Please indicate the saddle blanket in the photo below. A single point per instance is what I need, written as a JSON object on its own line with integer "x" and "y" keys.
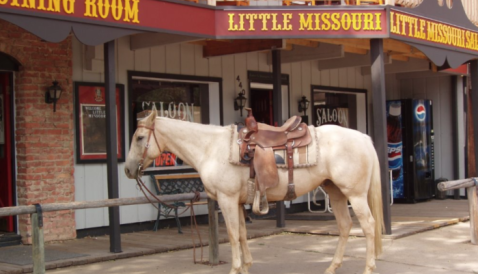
{"x": 303, "y": 157}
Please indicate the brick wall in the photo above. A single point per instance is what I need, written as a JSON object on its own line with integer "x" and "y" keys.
{"x": 44, "y": 139}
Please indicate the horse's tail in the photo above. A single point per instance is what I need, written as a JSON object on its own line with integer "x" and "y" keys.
{"x": 375, "y": 204}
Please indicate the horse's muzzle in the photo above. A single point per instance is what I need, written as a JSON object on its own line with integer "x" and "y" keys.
{"x": 128, "y": 173}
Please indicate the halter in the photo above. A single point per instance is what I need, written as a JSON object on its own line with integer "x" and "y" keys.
{"x": 140, "y": 166}
{"x": 151, "y": 130}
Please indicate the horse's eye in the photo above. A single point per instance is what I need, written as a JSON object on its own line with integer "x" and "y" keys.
{"x": 140, "y": 138}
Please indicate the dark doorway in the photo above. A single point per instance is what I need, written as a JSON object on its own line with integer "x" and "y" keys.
{"x": 7, "y": 224}
{"x": 261, "y": 105}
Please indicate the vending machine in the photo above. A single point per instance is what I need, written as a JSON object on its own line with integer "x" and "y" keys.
{"x": 411, "y": 149}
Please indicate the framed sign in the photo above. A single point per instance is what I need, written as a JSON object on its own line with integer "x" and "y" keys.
{"x": 90, "y": 117}
{"x": 344, "y": 107}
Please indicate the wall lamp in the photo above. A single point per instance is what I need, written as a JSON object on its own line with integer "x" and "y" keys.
{"x": 52, "y": 95}
{"x": 240, "y": 101}
{"x": 303, "y": 105}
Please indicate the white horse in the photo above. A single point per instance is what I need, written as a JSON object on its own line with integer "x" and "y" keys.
{"x": 348, "y": 169}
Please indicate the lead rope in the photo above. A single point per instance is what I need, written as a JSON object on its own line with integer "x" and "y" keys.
{"x": 194, "y": 222}
{"x": 195, "y": 199}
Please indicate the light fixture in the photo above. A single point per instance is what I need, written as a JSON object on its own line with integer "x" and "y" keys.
{"x": 52, "y": 95}
{"x": 303, "y": 105}
{"x": 240, "y": 101}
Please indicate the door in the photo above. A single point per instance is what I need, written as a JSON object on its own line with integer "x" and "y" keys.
{"x": 6, "y": 184}
{"x": 261, "y": 105}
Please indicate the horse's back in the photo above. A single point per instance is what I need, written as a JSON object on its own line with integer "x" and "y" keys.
{"x": 345, "y": 153}
{"x": 342, "y": 136}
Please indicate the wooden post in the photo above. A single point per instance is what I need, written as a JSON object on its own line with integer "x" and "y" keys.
{"x": 213, "y": 232}
{"x": 380, "y": 125}
{"x": 112, "y": 145}
{"x": 38, "y": 247}
{"x": 277, "y": 107}
{"x": 473, "y": 204}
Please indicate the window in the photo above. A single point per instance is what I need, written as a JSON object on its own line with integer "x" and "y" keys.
{"x": 175, "y": 97}
{"x": 339, "y": 106}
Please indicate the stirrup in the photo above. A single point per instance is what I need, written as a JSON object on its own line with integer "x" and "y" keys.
{"x": 251, "y": 189}
{"x": 260, "y": 202}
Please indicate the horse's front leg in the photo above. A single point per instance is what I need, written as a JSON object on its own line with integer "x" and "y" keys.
{"x": 230, "y": 210}
{"x": 246, "y": 254}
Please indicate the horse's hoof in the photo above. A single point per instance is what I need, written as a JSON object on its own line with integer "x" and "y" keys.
{"x": 328, "y": 271}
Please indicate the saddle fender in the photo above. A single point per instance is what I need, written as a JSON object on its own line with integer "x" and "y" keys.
{"x": 265, "y": 163}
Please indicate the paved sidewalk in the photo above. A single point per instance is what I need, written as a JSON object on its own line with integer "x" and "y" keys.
{"x": 407, "y": 220}
{"x": 444, "y": 250}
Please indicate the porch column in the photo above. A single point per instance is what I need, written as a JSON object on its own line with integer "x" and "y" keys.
{"x": 474, "y": 105}
{"x": 277, "y": 106}
{"x": 380, "y": 125}
{"x": 112, "y": 145}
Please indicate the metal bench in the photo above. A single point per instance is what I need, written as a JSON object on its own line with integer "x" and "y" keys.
{"x": 175, "y": 184}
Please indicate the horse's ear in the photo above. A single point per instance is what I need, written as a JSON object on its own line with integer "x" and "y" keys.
{"x": 152, "y": 116}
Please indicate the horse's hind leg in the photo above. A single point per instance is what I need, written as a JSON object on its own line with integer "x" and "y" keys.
{"x": 362, "y": 211}
{"x": 246, "y": 254}
{"x": 344, "y": 223}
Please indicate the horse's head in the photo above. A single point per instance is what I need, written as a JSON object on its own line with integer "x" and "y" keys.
{"x": 144, "y": 147}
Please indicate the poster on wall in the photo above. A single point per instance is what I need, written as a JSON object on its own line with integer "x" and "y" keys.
{"x": 90, "y": 117}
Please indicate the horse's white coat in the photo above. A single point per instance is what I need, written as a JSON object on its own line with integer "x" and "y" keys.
{"x": 348, "y": 169}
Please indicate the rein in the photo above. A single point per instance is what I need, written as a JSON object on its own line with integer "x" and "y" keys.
{"x": 142, "y": 186}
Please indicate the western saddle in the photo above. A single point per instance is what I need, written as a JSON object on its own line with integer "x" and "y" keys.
{"x": 257, "y": 144}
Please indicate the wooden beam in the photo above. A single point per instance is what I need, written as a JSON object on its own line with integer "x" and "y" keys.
{"x": 350, "y": 60}
{"x": 356, "y": 43}
{"x": 217, "y": 48}
{"x": 303, "y": 42}
{"x": 355, "y": 50}
{"x": 148, "y": 40}
{"x": 389, "y": 45}
{"x": 413, "y": 65}
{"x": 301, "y": 53}
{"x": 400, "y": 57}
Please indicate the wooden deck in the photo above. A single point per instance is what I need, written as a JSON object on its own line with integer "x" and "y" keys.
{"x": 407, "y": 219}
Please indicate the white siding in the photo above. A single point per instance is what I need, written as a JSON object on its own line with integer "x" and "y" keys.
{"x": 90, "y": 180}
{"x": 439, "y": 89}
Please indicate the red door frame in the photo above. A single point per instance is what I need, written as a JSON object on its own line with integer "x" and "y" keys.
{"x": 6, "y": 173}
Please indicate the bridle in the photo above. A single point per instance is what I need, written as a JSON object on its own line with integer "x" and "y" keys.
{"x": 140, "y": 182}
{"x": 151, "y": 132}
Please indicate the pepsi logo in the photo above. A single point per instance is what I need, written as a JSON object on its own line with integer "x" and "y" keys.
{"x": 420, "y": 112}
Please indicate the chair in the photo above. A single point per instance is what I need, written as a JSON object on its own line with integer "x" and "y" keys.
{"x": 175, "y": 184}
{"x": 164, "y": 210}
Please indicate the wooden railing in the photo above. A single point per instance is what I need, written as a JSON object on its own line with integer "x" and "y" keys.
{"x": 38, "y": 247}
{"x": 471, "y": 186}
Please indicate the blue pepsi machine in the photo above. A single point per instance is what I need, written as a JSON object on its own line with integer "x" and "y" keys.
{"x": 410, "y": 149}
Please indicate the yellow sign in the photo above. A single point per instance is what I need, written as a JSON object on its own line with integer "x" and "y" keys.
{"x": 298, "y": 21}
{"x": 419, "y": 28}
{"x": 112, "y": 10}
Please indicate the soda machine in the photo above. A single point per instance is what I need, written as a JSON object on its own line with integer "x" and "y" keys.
{"x": 410, "y": 149}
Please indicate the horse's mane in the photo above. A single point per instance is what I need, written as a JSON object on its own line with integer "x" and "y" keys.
{"x": 195, "y": 125}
